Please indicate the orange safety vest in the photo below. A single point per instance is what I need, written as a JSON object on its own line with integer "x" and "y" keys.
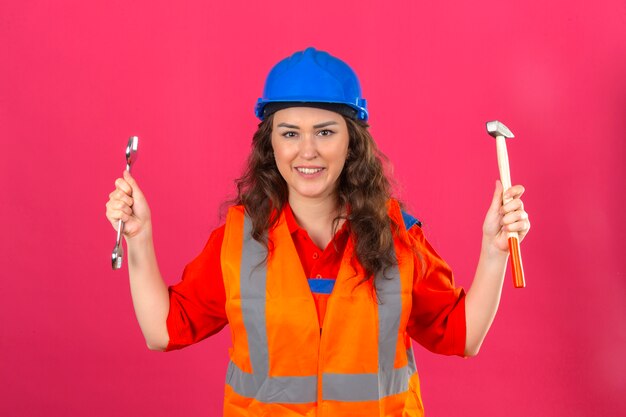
{"x": 361, "y": 364}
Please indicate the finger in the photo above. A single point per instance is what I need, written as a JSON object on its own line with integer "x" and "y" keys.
{"x": 120, "y": 205}
{"x": 521, "y": 226}
{"x": 116, "y": 206}
{"x": 123, "y": 186}
{"x": 128, "y": 200}
{"x": 512, "y": 206}
{"x": 119, "y": 195}
{"x": 515, "y": 191}
{"x": 115, "y": 215}
{"x": 514, "y": 217}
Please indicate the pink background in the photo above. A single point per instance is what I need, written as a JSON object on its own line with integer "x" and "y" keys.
{"x": 78, "y": 78}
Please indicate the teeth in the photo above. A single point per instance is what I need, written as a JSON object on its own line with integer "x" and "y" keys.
{"x": 309, "y": 170}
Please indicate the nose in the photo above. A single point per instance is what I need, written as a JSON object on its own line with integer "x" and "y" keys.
{"x": 308, "y": 147}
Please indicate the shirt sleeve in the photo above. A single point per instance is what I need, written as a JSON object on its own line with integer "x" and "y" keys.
{"x": 437, "y": 319}
{"x": 197, "y": 302}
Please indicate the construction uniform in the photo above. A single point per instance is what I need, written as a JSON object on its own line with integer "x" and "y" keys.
{"x": 308, "y": 340}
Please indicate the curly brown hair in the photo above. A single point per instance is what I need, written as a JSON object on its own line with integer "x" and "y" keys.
{"x": 363, "y": 189}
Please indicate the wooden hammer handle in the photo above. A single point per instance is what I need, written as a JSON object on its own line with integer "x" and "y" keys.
{"x": 505, "y": 177}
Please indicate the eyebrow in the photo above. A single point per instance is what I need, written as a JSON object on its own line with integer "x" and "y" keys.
{"x": 317, "y": 126}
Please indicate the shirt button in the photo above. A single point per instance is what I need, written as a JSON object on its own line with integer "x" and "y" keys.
{"x": 315, "y": 255}
{"x": 318, "y": 276}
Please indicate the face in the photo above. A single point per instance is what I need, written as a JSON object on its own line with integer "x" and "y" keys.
{"x": 310, "y": 147}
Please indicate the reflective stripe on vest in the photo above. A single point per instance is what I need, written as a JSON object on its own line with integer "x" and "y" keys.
{"x": 348, "y": 387}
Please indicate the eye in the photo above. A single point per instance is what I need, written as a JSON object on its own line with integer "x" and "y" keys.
{"x": 325, "y": 132}
{"x": 290, "y": 134}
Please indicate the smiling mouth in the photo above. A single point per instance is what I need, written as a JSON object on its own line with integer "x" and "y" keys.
{"x": 309, "y": 171}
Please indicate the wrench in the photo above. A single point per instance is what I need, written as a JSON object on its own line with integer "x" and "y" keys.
{"x": 118, "y": 251}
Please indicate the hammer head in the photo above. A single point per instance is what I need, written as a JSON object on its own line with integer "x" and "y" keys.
{"x": 495, "y": 128}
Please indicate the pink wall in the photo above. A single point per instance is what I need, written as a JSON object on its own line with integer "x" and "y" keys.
{"x": 77, "y": 78}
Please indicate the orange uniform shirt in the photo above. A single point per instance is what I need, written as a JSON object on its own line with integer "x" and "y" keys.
{"x": 437, "y": 319}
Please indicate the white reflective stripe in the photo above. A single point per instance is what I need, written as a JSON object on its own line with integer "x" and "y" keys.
{"x": 275, "y": 389}
{"x": 391, "y": 381}
{"x": 303, "y": 389}
{"x": 395, "y": 382}
{"x": 350, "y": 387}
{"x": 389, "y": 311}
{"x": 365, "y": 387}
{"x": 252, "y": 280}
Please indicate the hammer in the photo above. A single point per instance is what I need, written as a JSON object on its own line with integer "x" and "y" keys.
{"x": 501, "y": 132}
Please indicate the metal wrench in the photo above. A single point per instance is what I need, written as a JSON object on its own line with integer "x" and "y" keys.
{"x": 118, "y": 251}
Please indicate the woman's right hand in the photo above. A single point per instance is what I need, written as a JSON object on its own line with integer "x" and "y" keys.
{"x": 128, "y": 203}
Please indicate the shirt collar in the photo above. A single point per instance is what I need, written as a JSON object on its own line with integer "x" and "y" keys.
{"x": 293, "y": 225}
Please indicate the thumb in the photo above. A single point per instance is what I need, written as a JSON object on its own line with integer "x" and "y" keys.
{"x": 496, "y": 202}
{"x": 131, "y": 181}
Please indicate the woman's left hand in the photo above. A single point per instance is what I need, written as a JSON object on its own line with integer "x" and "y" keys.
{"x": 502, "y": 219}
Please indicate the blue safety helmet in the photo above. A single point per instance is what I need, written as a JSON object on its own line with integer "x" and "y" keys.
{"x": 316, "y": 78}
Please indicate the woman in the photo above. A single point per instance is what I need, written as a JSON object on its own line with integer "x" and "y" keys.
{"x": 321, "y": 276}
